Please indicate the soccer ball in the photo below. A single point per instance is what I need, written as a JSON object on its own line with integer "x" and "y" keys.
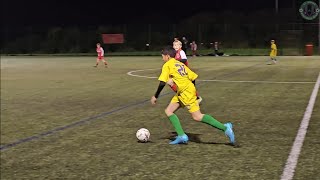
{"x": 143, "y": 135}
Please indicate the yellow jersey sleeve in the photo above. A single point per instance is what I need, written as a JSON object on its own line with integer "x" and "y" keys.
{"x": 165, "y": 72}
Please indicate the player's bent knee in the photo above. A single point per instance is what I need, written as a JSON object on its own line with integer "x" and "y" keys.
{"x": 168, "y": 112}
{"x": 197, "y": 116}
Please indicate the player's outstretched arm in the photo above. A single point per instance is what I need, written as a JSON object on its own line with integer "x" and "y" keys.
{"x": 156, "y": 95}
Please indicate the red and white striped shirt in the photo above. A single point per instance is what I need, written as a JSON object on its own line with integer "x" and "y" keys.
{"x": 180, "y": 54}
{"x": 100, "y": 52}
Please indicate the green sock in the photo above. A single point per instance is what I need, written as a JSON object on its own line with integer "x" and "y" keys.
{"x": 176, "y": 124}
{"x": 213, "y": 122}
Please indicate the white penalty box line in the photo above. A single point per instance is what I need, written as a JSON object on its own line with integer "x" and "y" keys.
{"x": 132, "y": 73}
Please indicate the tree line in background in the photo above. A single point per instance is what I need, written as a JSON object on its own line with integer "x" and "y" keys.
{"x": 232, "y": 29}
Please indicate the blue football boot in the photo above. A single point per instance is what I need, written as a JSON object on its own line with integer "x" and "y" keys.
{"x": 183, "y": 139}
{"x": 229, "y": 132}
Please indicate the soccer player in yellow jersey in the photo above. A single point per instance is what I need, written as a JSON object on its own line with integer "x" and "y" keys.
{"x": 177, "y": 72}
{"x": 273, "y": 52}
{"x": 182, "y": 57}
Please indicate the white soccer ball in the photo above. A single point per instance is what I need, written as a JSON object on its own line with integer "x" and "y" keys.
{"x": 143, "y": 135}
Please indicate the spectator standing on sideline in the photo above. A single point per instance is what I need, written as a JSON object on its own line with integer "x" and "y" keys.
{"x": 184, "y": 44}
{"x": 216, "y": 48}
{"x": 194, "y": 48}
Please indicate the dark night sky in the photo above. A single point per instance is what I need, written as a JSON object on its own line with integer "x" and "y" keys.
{"x": 94, "y": 12}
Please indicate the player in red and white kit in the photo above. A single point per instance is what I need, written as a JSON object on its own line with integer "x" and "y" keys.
{"x": 100, "y": 57}
{"x": 180, "y": 54}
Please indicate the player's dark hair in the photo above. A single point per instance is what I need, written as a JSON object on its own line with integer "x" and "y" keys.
{"x": 168, "y": 50}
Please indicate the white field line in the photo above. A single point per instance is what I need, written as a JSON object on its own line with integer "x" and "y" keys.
{"x": 132, "y": 73}
{"x": 292, "y": 160}
{"x": 274, "y": 82}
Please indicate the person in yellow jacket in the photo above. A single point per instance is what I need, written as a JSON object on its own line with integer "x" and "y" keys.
{"x": 273, "y": 52}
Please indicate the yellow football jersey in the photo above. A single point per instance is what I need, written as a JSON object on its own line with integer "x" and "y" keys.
{"x": 273, "y": 50}
{"x": 181, "y": 75}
